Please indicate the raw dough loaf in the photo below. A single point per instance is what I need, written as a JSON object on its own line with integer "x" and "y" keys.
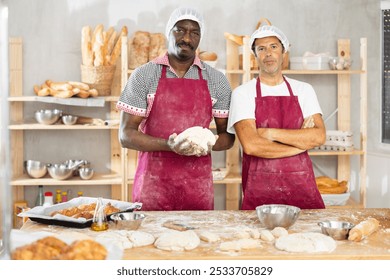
{"x": 310, "y": 242}
{"x": 240, "y": 244}
{"x": 279, "y": 232}
{"x": 208, "y": 236}
{"x": 177, "y": 241}
{"x": 197, "y": 135}
{"x": 266, "y": 235}
{"x": 127, "y": 239}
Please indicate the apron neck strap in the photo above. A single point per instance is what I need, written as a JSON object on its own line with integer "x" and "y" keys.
{"x": 164, "y": 72}
{"x": 258, "y": 87}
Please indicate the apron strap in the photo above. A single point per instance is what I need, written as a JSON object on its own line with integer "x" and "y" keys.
{"x": 258, "y": 87}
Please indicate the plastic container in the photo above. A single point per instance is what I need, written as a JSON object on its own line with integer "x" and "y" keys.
{"x": 48, "y": 199}
{"x": 309, "y": 63}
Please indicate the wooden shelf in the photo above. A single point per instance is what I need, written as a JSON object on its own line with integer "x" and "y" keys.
{"x": 37, "y": 126}
{"x": 335, "y": 153}
{"x": 97, "y": 179}
{"x": 34, "y": 98}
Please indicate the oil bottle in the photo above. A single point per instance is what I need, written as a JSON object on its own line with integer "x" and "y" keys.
{"x": 99, "y": 221}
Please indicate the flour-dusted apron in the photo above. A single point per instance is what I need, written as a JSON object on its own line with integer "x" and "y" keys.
{"x": 166, "y": 180}
{"x": 287, "y": 180}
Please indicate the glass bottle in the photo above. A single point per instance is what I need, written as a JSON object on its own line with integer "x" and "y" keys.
{"x": 58, "y": 196}
{"x": 64, "y": 197}
{"x": 99, "y": 221}
{"x": 40, "y": 197}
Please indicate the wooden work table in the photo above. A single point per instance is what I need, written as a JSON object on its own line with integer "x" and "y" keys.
{"x": 227, "y": 223}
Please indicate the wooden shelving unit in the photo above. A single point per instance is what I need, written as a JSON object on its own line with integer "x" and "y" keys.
{"x": 237, "y": 75}
{"x": 18, "y": 124}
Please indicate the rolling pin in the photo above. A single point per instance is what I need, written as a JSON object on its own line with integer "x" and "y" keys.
{"x": 363, "y": 229}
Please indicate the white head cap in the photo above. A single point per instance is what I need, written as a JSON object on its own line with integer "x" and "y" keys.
{"x": 269, "y": 31}
{"x": 182, "y": 14}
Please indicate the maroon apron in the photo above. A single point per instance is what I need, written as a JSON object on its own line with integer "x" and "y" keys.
{"x": 166, "y": 180}
{"x": 288, "y": 180}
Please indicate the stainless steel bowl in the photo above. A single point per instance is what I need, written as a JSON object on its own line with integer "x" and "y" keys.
{"x": 48, "y": 116}
{"x": 69, "y": 119}
{"x": 338, "y": 230}
{"x": 60, "y": 171}
{"x": 86, "y": 173}
{"x": 35, "y": 169}
{"x": 128, "y": 221}
{"x": 277, "y": 215}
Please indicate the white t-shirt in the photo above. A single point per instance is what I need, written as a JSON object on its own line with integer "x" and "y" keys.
{"x": 242, "y": 105}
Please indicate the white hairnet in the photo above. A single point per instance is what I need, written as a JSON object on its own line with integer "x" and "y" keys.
{"x": 269, "y": 31}
{"x": 182, "y": 14}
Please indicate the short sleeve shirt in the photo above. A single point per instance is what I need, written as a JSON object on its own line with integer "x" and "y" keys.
{"x": 243, "y": 99}
{"x": 138, "y": 94}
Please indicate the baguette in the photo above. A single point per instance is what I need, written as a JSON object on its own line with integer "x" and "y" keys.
{"x": 86, "y": 46}
{"x": 79, "y": 85}
{"x": 83, "y": 94}
{"x": 44, "y": 91}
{"x": 59, "y": 85}
{"x": 93, "y": 92}
{"x": 363, "y": 229}
{"x": 98, "y": 48}
{"x": 118, "y": 46}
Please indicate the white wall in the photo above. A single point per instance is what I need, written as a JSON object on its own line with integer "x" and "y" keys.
{"x": 51, "y": 34}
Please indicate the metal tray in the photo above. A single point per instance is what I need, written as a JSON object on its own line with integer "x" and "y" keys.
{"x": 41, "y": 214}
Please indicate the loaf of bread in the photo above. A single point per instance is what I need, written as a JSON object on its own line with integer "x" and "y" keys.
{"x": 86, "y": 46}
{"x": 52, "y": 248}
{"x": 117, "y": 47}
{"x": 208, "y": 56}
{"x": 363, "y": 229}
{"x": 139, "y": 49}
{"x": 157, "y": 45}
{"x": 327, "y": 185}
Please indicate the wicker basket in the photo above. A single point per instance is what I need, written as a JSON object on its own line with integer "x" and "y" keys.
{"x": 98, "y": 77}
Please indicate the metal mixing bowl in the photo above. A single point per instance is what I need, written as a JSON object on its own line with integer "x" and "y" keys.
{"x": 48, "y": 116}
{"x": 35, "y": 169}
{"x": 277, "y": 215}
{"x": 338, "y": 230}
{"x": 86, "y": 173}
{"x": 128, "y": 221}
{"x": 69, "y": 119}
{"x": 60, "y": 171}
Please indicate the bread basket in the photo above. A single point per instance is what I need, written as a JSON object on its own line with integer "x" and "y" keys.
{"x": 98, "y": 77}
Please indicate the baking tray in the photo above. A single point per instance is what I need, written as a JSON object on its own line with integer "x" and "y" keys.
{"x": 41, "y": 214}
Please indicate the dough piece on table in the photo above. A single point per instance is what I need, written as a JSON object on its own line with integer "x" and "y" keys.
{"x": 197, "y": 135}
{"x": 208, "y": 236}
{"x": 310, "y": 242}
{"x": 279, "y": 232}
{"x": 140, "y": 238}
{"x": 255, "y": 233}
{"x": 118, "y": 238}
{"x": 177, "y": 241}
{"x": 266, "y": 235}
{"x": 240, "y": 244}
{"x": 242, "y": 234}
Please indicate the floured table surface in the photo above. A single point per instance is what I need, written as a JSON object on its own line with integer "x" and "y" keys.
{"x": 228, "y": 224}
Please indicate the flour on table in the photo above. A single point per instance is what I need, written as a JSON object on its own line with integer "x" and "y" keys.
{"x": 177, "y": 241}
{"x": 197, "y": 135}
{"x": 208, "y": 236}
{"x": 279, "y": 232}
{"x": 240, "y": 244}
{"x": 310, "y": 242}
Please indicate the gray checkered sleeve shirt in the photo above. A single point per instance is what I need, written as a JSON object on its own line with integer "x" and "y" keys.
{"x": 138, "y": 94}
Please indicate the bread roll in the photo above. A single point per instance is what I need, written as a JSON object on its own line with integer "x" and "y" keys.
{"x": 208, "y": 56}
{"x": 327, "y": 185}
{"x": 363, "y": 229}
{"x": 79, "y": 85}
{"x": 59, "y": 85}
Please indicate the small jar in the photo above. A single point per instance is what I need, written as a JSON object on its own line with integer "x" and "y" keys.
{"x": 48, "y": 199}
